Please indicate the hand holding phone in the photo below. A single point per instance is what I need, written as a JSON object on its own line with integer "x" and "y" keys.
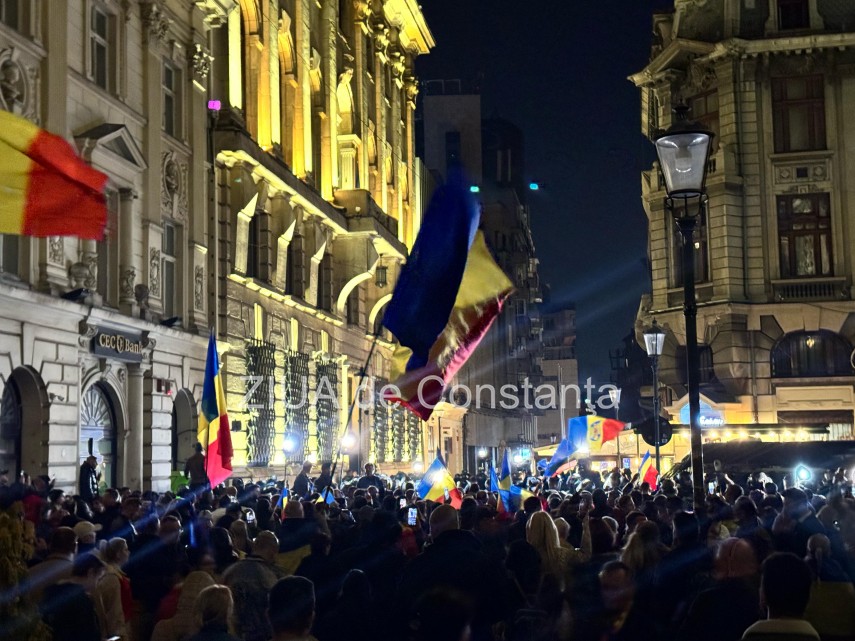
{"x": 402, "y": 503}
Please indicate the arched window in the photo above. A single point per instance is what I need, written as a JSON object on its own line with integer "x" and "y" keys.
{"x": 821, "y": 353}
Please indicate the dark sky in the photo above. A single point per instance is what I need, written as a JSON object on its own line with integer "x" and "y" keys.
{"x": 558, "y": 69}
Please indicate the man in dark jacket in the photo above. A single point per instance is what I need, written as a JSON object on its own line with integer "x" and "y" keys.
{"x": 455, "y": 560}
{"x": 89, "y": 479}
{"x": 302, "y": 484}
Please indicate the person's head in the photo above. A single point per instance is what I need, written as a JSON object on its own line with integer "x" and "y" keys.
{"x": 92, "y": 461}
{"x": 170, "y": 529}
{"x": 735, "y": 559}
{"x": 541, "y": 532}
{"x": 291, "y": 606}
{"x": 602, "y": 536}
{"x": 795, "y": 502}
{"x": 214, "y": 607}
{"x": 307, "y": 467}
{"x": 443, "y": 519}
{"x": 717, "y": 465}
{"x": 85, "y": 532}
{"x": 63, "y": 541}
{"x": 198, "y": 448}
{"x": 616, "y": 586}
{"x": 116, "y": 551}
{"x": 563, "y": 528}
{"x": 744, "y": 509}
{"x": 326, "y": 466}
{"x": 266, "y": 546}
{"x": 293, "y": 510}
{"x": 442, "y": 614}
{"x": 369, "y": 469}
{"x": 110, "y": 497}
{"x": 87, "y": 571}
{"x": 785, "y": 586}
{"x": 732, "y": 493}
{"x": 818, "y": 552}
{"x": 686, "y": 530}
{"x": 531, "y": 505}
{"x": 599, "y": 498}
{"x": 632, "y": 520}
{"x": 131, "y": 508}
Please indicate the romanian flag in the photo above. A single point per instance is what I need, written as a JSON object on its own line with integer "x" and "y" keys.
{"x": 560, "y": 461}
{"x": 588, "y": 433}
{"x": 447, "y": 296}
{"x": 282, "y": 502}
{"x": 647, "y": 473}
{"x": 45, "y": 188}
{"x": 214, "y": 429}
{"x": 438, "y": 485}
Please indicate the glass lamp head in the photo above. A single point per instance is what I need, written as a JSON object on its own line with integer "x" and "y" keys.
{"x": 683, "y": 151}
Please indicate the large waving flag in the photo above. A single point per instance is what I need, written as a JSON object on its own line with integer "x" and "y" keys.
{"x": 214, "y": 429}
{"x": 437, "y": 482}
{"x": 447, "y": 296}
{"x": 560, "y": 461}
{"x": 588, "y": 433}
{"x": 647, "y": 473}
{"x": 45, "y": 188}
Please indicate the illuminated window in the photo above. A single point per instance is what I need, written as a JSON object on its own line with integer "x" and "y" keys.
{"x": 821, "y": 353}
{"x": 798, "y": 112}
{"x": 804, "y": 235}
{"x": 793, "y": 14}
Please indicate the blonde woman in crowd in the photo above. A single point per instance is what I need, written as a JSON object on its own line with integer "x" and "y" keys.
{"x": 113, "y": 592}
{"x": 214, "y": 608}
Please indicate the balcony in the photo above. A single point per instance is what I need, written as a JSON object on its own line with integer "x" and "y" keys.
{"x": 810, "y": 289}
{"x": 364, "y": 215}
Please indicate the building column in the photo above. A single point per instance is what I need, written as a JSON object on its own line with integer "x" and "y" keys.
{"x": 129, "y": 267}
{"x": 133, "y": 458}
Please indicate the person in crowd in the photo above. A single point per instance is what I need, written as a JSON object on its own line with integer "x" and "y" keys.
{"x": 831, "y": 609}
{"x": 182, "y": 622}
{"x": 86, "y": 533}
{"x": 621, "y": 618}
{"x": 195, "y": 470}
{"x": 353, "y": 601}
{"x": 57, "y": 566}
{"x": 214, "y": 607}
{"x": 325, "y": 479}
{"x": 784, "y": 595}
{"x": 302, "y": 482}
{"x": 370, "y": 479}
{"x": 291, "y": 609}
{"x": 113, "y": 592}
{"x": 89, "y": 477}
{"x": 795, "y": 524}
{"x": 67, "y": 606}
{"x": 250, "y": 579}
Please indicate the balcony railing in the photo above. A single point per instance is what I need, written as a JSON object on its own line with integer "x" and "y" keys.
{"x": 834, "y": 288}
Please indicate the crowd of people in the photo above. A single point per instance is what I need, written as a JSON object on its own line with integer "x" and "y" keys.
{"x": 587, "y": 557}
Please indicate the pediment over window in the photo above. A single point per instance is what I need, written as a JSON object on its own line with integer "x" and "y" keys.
{"x": 115, "y": 141}
{"x": 677, "y": 56}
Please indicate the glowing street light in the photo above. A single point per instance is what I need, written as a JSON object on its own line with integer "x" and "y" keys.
{"x": 348, "y": 441}
{"x": 289, "y": 444}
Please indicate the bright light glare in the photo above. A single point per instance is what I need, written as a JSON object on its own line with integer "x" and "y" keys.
{"x": 289, "y": 445}
{"x": 802, "y": 473}
{"x": 418, "y": 466}
{"x": 533, "y": 186}
{"x": 583, "y": 449}
{"x": 312, "y": 458}
{"x": 348, "y": 440}
{"x": 474, "y": 189}
{"x": 518, "y": 459}
{"x": 482, "y": 453}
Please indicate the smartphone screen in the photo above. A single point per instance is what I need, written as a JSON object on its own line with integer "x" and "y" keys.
{"x": 403, "y": 503}
{"x": 411, "y": 516}
{"x": 711, "y": 488}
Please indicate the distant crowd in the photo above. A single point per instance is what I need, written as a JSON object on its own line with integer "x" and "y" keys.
{"x": 589, "y": 557}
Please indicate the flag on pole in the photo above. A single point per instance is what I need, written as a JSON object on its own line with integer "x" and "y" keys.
{"x": 282, "y": 502}
{"x": 436, "y": 482}
{"x": 560, "y": 461}
{"x": 46, "y": 189}
{"x": 447, "y": 296}
{"x": 647, "y": 473}
{"x": 588, "y": 433}
{"x": 214, "y": 430}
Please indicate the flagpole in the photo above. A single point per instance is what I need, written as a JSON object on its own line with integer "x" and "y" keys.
{"x": 363, "y": 374}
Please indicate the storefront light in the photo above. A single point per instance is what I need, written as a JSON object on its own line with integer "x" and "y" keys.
{"x": 743, "y": 434}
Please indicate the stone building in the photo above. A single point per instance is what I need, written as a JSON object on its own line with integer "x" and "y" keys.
{"x": 775, "y": 81}
{"x": 287, "y": 249}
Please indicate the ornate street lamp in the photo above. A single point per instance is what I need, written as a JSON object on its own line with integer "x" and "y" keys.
{"x": 614, "y": 396}
{"x": 654, "y": 341}
{"x": 683, "y": 152}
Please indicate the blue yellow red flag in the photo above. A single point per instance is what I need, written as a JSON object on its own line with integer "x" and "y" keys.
{"x": 647, "y": 473}
{"x": 214, "y": 431}
{"x": 435, "y": 482}
{"x": 588, "y": 433}
{"x": 447, "y": 296}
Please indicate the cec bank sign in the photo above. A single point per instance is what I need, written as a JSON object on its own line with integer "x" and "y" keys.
{"x": 709, "y": 417}
{"x": 118, "y": 345}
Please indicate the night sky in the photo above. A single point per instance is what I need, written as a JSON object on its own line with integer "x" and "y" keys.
{"x": 558, "y": 69}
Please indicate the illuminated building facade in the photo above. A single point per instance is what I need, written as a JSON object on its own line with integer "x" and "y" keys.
{"x": 775, "y": 81}
{"x": 279, "y": 221}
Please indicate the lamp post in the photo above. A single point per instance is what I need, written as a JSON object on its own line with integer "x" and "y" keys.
{"x": 683, "y": 152}
{"x": 614, "y": 396}
{"x": 482, "y": 454}
{"x": 654, "y": 341}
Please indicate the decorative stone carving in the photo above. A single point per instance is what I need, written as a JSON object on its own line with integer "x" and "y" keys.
{"x": 87, "y": 333}
{"x": 199, "y": 287}
{"x": 362, "y": 10}
{"x": 13, "y": 88}
{"x": 411, "y": 89}
{"x": 122, "y": 375}
{"x": 56, "y": 253}
{"x": 701, "y": 77}
{"x": 154, "y": 272}
{"x": 91, "y": 262}
{"x": 129, "y": 277}
{"x": 173, "y": 189}
{"x": 200, "y": 62}
{"x": 155, "y": 21}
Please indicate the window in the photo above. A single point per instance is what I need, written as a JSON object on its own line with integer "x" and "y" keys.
{"x": 702, "y": 258}
{"x": 793, "y": 14}
{"x": 705, "y": 111}
{"x": 171, "y": 101}
{"x": 108, "y": 254}
{"x": 10, "y": 13}
{"x": 706, "y": 372}
{"x": 169, "y": 257}
{"x": 100, "y": 47}
{"x": 821, "y": 353}
{"x": 253, "y": 247}
{"x": 798, "y": 112}
{"x": 9, "y": 254}
{"x": 452, "y": 149}
{"x": 804, "y": 233}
